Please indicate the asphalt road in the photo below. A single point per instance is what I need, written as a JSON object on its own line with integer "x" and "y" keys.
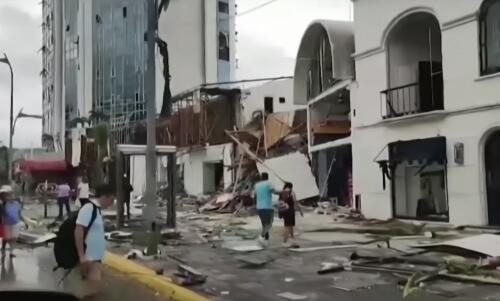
{"x": 32, "y": 269}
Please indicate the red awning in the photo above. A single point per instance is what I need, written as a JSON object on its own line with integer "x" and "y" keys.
{"x": 43, "y": 165}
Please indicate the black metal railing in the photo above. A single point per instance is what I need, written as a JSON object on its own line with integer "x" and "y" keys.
{"x": 400, "y": 101}
{"x": 412, "y": 98}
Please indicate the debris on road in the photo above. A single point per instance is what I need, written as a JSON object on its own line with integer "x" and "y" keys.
{"x": 34, "y": 239}
{"x": 187, "y": 276}
{"x": 292, "y": 296}
{"x": 118, "y": 236}
{"x": 254, "y": 261}
{"x": 484, "y": 245}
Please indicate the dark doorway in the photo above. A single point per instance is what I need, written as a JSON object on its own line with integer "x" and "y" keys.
{"x": 269, "y": 105}
{"x": 492, "y": 167}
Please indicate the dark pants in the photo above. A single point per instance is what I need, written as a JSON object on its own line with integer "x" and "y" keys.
{"x": 83, "y": 201}
{"x": 126, "y": 202}
{"x": 266, "y": 218}
{"x": 63, "y": 202}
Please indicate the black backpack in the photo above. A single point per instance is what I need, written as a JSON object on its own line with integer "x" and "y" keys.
{"x": 64, "y": 244}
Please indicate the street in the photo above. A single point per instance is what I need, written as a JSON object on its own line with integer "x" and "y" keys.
{"x": 32, "y": 269}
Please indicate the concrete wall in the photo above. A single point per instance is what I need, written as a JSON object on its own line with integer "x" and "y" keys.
{"x": 196, "y": 175}
{"x": 470, "y": 104}
{"x": 253, "y": 98}
{"x": 191, "y": 31}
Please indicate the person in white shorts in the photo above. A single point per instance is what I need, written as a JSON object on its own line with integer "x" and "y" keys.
{"x": 83, "y": 191}
{"x": 11, "y": 217}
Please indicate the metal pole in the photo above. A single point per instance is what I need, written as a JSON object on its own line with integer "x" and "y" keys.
{"x": 171, "y": 175}
{"x": 119, "y": 188}
{"x": 150, "y": 210}
{"x": 11, "y": 132}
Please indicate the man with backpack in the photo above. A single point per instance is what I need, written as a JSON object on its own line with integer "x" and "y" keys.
{"x": 89, "y": 239}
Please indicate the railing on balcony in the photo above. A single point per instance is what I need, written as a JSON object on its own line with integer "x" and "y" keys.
{"x": 411, "y": 99}
{"x": 400, "y": 101}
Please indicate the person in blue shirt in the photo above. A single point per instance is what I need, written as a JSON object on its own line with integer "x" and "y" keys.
{"x": 263, "y": 192}
{"x": 11, "y": 218}
{"x": 91, "y": 249}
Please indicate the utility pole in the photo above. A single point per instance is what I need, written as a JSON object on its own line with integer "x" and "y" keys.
{"x": 150, "y": 211}
{"x": 5, "y": 60}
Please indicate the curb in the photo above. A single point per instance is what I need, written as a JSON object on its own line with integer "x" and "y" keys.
{"x": 163, "y": 285}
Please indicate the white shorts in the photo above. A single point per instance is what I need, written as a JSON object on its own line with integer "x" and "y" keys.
{"x": 12, "y": 231}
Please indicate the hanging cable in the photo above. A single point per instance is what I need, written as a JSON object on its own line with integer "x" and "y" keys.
{"x": 251, "y": 10}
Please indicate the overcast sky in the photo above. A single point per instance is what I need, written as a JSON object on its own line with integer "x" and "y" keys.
{"x": 267, "y": 44}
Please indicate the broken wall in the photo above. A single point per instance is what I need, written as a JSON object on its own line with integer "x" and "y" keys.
{"x": 197, "y": 177}
{"x": 292, "y": 168}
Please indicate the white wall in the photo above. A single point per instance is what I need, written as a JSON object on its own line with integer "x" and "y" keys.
{"x": 181, "y": 27}
{"x": 463, "y": 90}
{"x": 194, "y": 162}
{"x": 190, "y": 30}
{"x": 253, "y": 98}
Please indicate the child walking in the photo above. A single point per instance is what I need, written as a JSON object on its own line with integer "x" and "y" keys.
{"x": 287, "y": 207}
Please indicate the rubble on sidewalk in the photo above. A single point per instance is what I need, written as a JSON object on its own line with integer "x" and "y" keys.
{"x": 34, "y": 239}
{"x": 188, "y": 276}
{"x": 118, "y": 236}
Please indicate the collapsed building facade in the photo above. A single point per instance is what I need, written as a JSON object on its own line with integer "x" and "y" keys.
{"x": 197, "y": 128}
{"x": 323, "y": 75}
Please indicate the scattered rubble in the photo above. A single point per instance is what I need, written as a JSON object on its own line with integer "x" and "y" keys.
{"x": 292, "y": 296}
{"x": 188, "y": 276}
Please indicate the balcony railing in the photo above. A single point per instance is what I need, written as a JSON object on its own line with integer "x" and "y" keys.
{"x": 411, "y": 99}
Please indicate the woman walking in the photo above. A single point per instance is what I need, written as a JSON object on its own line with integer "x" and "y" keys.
{"x": 287, "y": 207}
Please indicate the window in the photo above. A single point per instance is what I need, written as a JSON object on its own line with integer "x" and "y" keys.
{"x": 124, "y": 11}
{"x": 223, "y": 46}
{"x": 268, "y": 105}
{"x": 282, "y": 100}
{"x": 489, "y": 38}
{"x": 223, "y": 7}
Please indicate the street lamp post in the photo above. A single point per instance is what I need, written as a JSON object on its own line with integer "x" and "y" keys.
{"x": 5, "y": 60}
{"x": 23, "y": 115}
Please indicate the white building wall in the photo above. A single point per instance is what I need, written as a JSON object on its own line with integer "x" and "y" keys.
{"x": 253, "y": 98}
{"x": 193, "y": 164}
{"x": 190, "y": 30}
{"x": 468, "y": 101}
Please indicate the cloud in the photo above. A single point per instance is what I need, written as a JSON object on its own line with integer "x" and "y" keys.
{"x": 268, "y": 38}
{"x": 262, "y": 61}
{"x": 20, "y": 38}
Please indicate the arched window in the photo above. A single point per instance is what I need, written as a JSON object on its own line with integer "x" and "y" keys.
{"x": 489, "y": 20}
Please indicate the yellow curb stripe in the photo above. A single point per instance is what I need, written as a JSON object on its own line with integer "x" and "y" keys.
{"x": 163, "y": 285}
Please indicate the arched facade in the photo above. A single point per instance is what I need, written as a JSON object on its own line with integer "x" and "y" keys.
{"x": 324, "y": 56}
{"x": 414, "y": 65}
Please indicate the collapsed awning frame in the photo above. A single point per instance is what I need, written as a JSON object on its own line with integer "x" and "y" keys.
{"x": 426, "y": 151}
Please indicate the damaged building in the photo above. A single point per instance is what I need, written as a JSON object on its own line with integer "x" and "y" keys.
{"x": 425, "y": 107}
{"x": 197, "y": 128}
{"x": 323, "y": 76}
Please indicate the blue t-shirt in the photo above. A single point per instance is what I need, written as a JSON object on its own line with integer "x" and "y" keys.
{"x": 11, "y": 213}
{"x": 264, "y": 195}
{"x": 95, "y": 242}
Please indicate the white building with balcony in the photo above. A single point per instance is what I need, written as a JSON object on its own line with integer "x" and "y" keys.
{"x": 425, "y": 110}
